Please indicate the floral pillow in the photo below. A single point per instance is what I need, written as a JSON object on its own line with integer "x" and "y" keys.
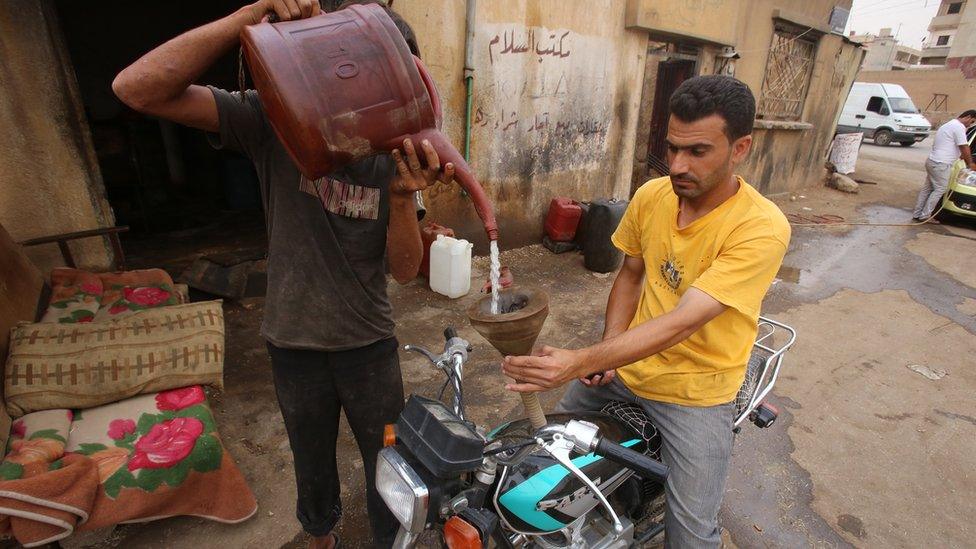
{"x": 81, "y": 296}
{"x": 141, "y": 459}
{"x": 75, "y": 296}
{"x": 36, "y": 441}
{"x": 128, "y": 292}
{"x": 148, "y": 440}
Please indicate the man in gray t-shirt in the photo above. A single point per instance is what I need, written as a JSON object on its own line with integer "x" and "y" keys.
{"x": 327, "y": 319}
{"x": 326, "y": 276}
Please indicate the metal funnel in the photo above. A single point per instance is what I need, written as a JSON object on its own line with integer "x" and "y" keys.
{"x": 514, "y": 333}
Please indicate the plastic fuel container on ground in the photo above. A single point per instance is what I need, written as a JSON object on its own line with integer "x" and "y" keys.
{"x": 450, "y": 266}
{"x": 602, "y": 218}
{"x": 562, "y": 220}
{"x": 428, "y": 235}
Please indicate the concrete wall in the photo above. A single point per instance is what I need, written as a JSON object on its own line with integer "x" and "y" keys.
{"x": 789, "y": 156}
{"x": 786, "y": 156}
{"x": 565, "y": 121}
{"x": 705, "y": 20}
{"x": 963, "y": 42}
{"x": 879, "y": 55}
{"x": 556, "y": 90}
{"x": 556, "y": 93}
{"x": 49, "y": 177}
{"x": 557, "y": 96}
{"x": 962, "y": 54}
{"x": 922, "y": 85}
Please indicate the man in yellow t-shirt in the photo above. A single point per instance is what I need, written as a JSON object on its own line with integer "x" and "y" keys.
{"x": 701, "y": 250}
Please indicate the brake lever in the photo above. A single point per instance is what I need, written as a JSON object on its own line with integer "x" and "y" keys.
{"x": 416, "y": 349}
{"x": 559, "y": 448}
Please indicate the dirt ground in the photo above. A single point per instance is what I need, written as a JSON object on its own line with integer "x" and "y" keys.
{"x": 867, "y": 452}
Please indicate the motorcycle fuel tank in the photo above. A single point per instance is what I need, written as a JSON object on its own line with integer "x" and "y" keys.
{"x": 540, "y": 496}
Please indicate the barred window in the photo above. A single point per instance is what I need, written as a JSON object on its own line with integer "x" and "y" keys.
{"x": 788, "y": 72}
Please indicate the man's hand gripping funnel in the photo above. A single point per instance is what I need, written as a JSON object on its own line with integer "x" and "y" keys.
{"x": 514, "y": 333}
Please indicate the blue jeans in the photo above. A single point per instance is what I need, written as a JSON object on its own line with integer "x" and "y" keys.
{"x": 696, "y": 443}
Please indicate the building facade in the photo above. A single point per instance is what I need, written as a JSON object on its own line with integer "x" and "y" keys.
{"x": 569, "y": 98}
{"x": 943, "y": 29}
{"x": 884, "y": 53}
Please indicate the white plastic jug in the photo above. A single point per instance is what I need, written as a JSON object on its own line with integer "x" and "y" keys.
{"x": 450, "y": 266}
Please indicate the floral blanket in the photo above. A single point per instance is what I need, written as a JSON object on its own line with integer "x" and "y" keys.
{"x": 142, "y": 459}
{"x": 80, "y": 296}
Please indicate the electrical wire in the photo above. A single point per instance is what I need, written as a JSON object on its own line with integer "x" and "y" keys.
{"x": 510, "y": 447}
{"x": 440, "y": 395}
{"x": 778, "y": 46}
{"x": 886, "y": 9}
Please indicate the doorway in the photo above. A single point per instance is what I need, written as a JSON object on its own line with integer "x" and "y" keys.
{"x": 670, "y": 74}
{"x": 180, "y": 197}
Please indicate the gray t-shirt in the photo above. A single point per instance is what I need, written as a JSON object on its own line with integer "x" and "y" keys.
{"x": 326, "y": 238}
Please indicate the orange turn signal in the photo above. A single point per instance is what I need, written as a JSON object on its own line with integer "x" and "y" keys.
{"x": 459, "y": 534}
{"x": 389, "y": 435}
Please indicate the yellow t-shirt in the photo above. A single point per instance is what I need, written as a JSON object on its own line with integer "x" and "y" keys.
{"x": 732, "y": 254}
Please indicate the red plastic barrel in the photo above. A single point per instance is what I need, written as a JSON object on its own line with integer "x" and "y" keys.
{"x": 563, "y": 219}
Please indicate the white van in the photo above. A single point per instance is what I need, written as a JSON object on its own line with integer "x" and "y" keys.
{"x": 883, "y": 112}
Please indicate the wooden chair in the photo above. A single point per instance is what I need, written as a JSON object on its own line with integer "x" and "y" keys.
{"x": 63, "y": 239}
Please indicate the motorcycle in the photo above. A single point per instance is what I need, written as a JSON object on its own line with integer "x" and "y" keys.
{"x": 586, "y": 479}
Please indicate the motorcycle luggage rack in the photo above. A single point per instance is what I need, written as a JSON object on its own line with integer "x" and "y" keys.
{"x": 772, "y": 341}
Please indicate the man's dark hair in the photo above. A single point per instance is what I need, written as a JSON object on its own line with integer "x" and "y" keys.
{"x": 703, "y": 96}
{"x": 968, "y": 114}
{"x": 400, "y": 22}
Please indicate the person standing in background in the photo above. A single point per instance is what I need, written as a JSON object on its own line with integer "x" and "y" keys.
{"x": 950, "y": 144}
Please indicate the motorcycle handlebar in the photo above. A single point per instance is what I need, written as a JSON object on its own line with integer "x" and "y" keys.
{"x": 646, "y": 466}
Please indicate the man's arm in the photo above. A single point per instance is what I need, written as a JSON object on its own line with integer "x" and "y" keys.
{"x": 160, "y": 83}
{"x": 624, "y": 296}
{"x": 621, "y": 308}
{"x": 967, "y": 156}
{"x": 404, "y": 247}
{"x": 557, "y": 366}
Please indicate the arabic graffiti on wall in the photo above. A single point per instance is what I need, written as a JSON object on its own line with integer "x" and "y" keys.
{"x": 542, "y": 99}
{"x": 510, "y": 43}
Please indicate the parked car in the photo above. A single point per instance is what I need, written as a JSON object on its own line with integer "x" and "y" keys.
{"x": 960, "y": 197}
{"x": 884, "y": 113}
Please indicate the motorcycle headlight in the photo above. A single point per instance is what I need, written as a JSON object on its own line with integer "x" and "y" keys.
{"x": 401, "y": 488}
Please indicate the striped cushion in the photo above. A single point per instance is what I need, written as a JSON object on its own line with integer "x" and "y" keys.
{"x": 90, "y": 364}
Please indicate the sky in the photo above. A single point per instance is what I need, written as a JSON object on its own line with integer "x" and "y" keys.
{"x": 870, "y": 16}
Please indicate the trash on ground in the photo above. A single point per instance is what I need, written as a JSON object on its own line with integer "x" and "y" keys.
{"x": 842, "y": 183}
{"x": 934, "y": 375}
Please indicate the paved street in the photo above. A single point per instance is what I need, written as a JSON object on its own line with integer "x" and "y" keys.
{"x": 869, "y": 453}
{"x": 866, "y": 452}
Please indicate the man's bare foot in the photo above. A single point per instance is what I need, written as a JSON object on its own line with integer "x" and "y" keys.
{"x": 328, "y": 541}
